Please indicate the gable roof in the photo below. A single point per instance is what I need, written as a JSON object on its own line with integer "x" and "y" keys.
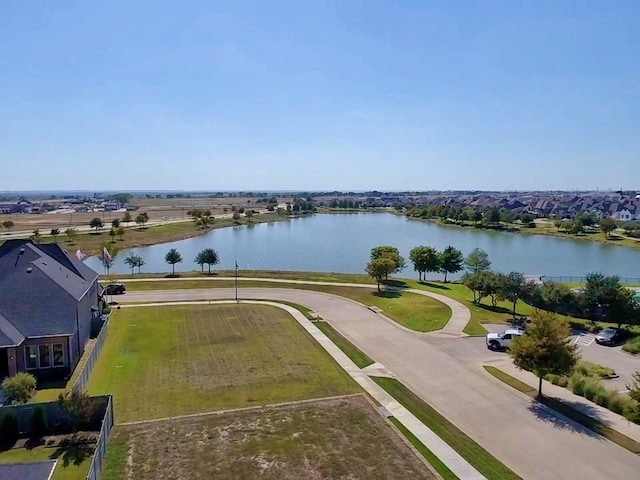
{"x": 39, "y": 292}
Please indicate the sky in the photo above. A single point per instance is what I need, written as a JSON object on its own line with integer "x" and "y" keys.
{"x": 319, "y": 95}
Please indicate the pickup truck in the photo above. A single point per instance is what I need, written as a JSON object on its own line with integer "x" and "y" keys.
{"x": 502, "y": 340}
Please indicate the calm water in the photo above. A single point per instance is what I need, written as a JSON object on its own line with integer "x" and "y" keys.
{"x": 341, "y": 243}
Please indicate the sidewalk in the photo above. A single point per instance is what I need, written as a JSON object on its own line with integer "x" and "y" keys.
{"x": 454, "y": 462}
{"x": 611, "y": 419}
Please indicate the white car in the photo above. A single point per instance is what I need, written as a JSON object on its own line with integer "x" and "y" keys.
{"x": 502, "y": 340}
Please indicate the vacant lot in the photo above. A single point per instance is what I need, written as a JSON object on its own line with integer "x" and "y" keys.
{"x": 342, "y": 438}
{"x": 167, "y": 361}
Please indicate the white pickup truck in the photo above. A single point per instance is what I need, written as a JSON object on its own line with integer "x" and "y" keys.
{"x": 502, "y": 340}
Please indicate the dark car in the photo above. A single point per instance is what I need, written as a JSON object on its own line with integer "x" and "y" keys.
{"x": 611, "y": 336}
{"x": 115, "y": 289}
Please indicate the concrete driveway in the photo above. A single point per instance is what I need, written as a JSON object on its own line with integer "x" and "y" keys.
{"x": 532, "y": 440}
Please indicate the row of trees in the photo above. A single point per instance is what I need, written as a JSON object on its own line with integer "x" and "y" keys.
{"x": 490, "y": 217}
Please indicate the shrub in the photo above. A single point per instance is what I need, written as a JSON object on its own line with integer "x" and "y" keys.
{"x": 9, "y": 428}
{"x": 563, "y": 381}
{"x": 602, "y": 397}
{"x": 20, "y": 388}
{"x": 578, "y": 384}
{"x": 617, "y": 403}
{"x": 594, "y": 370}
{"x": 38, "y": 423}
{"x": 591, "y": 389}
{"x": 631, "y": 412}
{"x": 632, "y": 346}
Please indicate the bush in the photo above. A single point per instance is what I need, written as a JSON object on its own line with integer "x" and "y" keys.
{"x": 9, "y": 428}
{"x": 632, "y": 346}
{"x": 20, "y": 388}
{"x": 602, "y": 397}
{"x": 563, "y": 381}
{"x": 617, "y": 403}
{"x": 38, "y": 423}
{"x": 631, "y": 412}
{"x": 578, "y": 384}
{"x": 589, "y": 369}
{"x": 591, "y": 389}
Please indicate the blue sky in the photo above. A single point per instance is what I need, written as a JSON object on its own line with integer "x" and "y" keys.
{"x": 319, "y": 95}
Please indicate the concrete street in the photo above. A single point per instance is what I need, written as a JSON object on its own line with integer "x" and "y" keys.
{"x": 532, "y": 440}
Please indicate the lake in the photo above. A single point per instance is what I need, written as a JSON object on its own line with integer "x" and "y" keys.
{"x": 342, "y": 242}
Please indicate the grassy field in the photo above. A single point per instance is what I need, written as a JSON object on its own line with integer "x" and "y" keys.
{"x": 473, "y": 453}
{"x": 342, "y": 438}
{"x": 71, "y": 471}
{"x": 417, "y": 312}
{"x": 161, "y": 362}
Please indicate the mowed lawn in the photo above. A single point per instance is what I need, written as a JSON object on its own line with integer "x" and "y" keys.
{"x": 340, "y": 438}
{"x": 70, "y": 466}
{"x": 167, "y": 361}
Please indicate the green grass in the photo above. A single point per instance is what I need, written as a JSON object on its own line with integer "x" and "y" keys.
{"x": 357, "y": 356}
{"x": 568, "y": 411}
{"x": 632, "y": 346}
{"x": 434, "y": 461}
{"x": 42, "y": 453}
{"x": 167, "y": 361}
{"x": 509, "y": 380}
{"x": 414, "y": 311}
{"x": 472, "y": 452}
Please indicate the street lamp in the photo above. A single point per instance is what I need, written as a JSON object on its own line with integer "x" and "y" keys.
{"x": 237, "y": 301}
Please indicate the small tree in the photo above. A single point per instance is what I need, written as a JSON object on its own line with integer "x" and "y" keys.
{"x": 78, "y": 408}
{"x": 172, "y": 257}
{"x": 132, "y": 261}
{"x": 112, "y": 234}
{"x": 71, "y": 234}
{"x": 9, "y": 429}
{"x": 477, "y": 261}
{"x": 392, "y": 253}
{"x": 607, "y": 225}
{"x": 54, "y": 233}
{"x": 38, "y": 423}
{"x": 424, "y": 259}
{"x": 140, "y": 263}
{"x": 96, "y": 223}
{"x": 380, "y": 268}
{"x": 115, "y": 223}
{"x": 8, "y": 225}
{"x": 120, "y": 233}
{"x": 451, "y": 260}
{"x": 209, "y": 257}
{"x": 141, "y": 220}
{"x": 126, "y": 217}
{"x": 20, "y": 388}
{"x": 546, "y": 348}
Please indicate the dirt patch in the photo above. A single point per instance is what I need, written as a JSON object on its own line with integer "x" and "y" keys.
{"x": 339, "y": 438}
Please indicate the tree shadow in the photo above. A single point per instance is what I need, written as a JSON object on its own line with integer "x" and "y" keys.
{"x": 574, "y": 417}
{"x": 73, "y": 451}
{"x": 493, "y": 309}
{"x": 387, "y": 294}
{"x": 434, "y": 285}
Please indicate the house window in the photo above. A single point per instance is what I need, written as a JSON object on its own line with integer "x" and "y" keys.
{"x": 30, "y": 357}
{"x": 44, "y": 356}
{"x": 58, "y": 355}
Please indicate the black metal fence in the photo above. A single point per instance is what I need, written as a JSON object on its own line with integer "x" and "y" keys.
{"x": 583, "y": 279}
{"x": 95, "y": 471}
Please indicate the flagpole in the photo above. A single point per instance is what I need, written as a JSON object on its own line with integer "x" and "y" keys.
{"x": 237, "y": 301}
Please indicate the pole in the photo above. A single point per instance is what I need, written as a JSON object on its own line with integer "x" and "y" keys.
{"x": 237, "y": 301}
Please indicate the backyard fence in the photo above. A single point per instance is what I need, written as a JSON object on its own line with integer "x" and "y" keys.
{"x": 83, "y": 371}
{"x": 583, "y": 279}
{"x": 95, "y": 471}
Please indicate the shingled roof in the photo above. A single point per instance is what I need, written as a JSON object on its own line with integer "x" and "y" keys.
{"x": 40, "y": 287}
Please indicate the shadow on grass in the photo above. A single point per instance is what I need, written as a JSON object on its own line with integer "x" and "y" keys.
{"x": 396, "y": 283}
{"x": 548, "y": 409}
{"x": 73, "y": 451}
{"x": 387, "y": 294}
{"x": 493, "y": 309}
{"x": 434, "y": 285}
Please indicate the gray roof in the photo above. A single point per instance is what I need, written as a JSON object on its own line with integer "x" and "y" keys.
{"x": 27, "y": 471}
{"x": 40, "y": 287}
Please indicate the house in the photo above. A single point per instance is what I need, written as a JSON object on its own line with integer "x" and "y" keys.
{"x": 48, "y": 300}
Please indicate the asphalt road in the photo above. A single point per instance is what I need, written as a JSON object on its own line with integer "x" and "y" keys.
{"x": 532, "y": 440}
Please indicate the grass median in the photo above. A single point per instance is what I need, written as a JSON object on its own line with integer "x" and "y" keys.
{"x": 471, "y": 451}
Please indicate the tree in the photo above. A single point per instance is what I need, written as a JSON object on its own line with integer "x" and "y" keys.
{"x": 36, "y": 236}
{"x": 20, "y": 388}
{"x": 142, "y": 219}
{"x": 236, "y": 217}
{"x": 96, "y": 223}
{"x": 424, "y": 259}
{"x": 599, "y": 293}
{"x": 126, "y": 217}
{"x": 132, "y": 261}
{"x": 380, "y": 268}
{"x": 78, "y": 408}
{"x": 249, "y": 214}
{"x": 115, "y": 223}
{"x": 546, "y": 348}
{"x": 391, "y": 253}
{"x": 451, "y": 260}
{"x": 607, "y": 225}
{"x": 140, "y": 264}
{"x": 71, "y": 233}
{"x": 8, "y": 225}
{"x": 492, "y": 215}
{"x": 577, "y": 227}
{"x": 112, "y": 234}
{"x": 120, "y": 232}
{"x": 54, "y": 233}
{"x": 209, "y": 257}
{"x": 512, "y": 287}
{"x": 172, "y": 257}
{"x": 477, "y": 261}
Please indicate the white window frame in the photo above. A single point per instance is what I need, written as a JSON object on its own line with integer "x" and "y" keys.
{"x": 53, "y": 361}
{"x": 26, "y": 357}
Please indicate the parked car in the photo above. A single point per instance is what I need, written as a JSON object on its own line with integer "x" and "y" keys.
{"x": 115, "y": 289}
{"x": 502, "y": 340}
{"x": 611, "y": 336}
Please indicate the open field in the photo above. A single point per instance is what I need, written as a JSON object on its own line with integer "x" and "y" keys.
{"x": 160, "y": 362}
{"x": 70, "y": 471}
{"x": 341, "y": 438}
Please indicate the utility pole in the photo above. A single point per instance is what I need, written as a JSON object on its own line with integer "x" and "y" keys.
{"x": 237, "y": 301}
